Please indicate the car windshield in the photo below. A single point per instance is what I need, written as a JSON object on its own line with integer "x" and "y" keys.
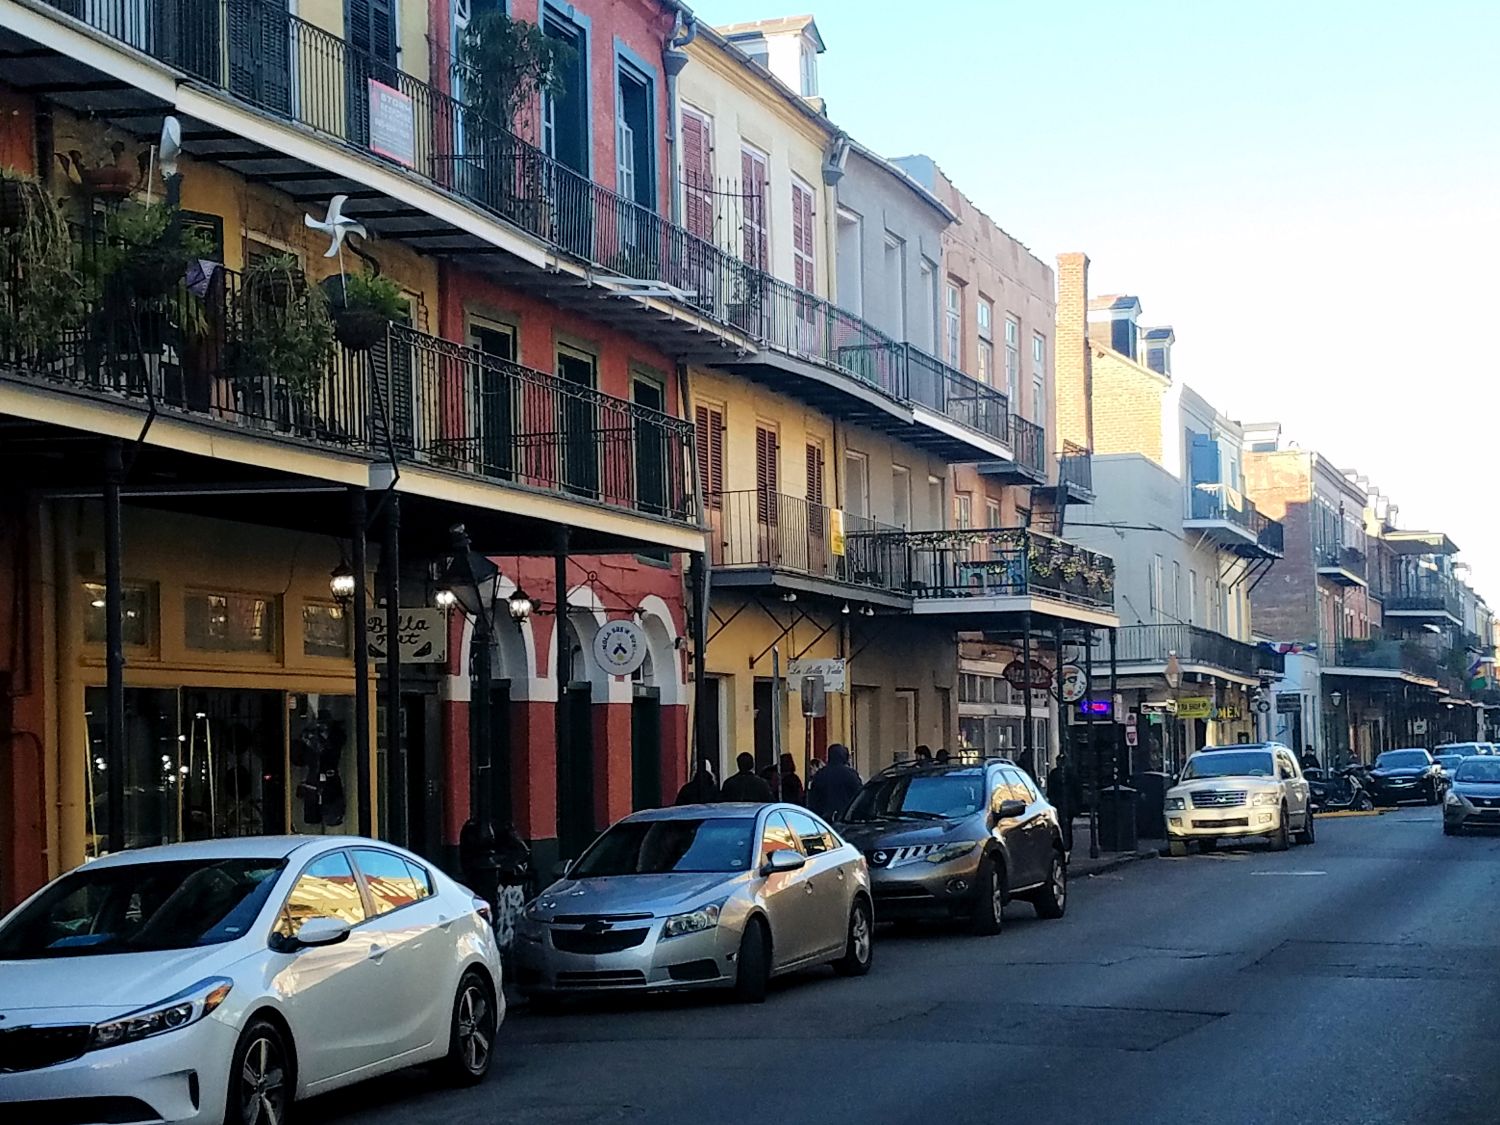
{"x": 140, "y": 907}
{"x": 660, "y": 847}
{"x": 1483, "y": 771}
{"x": 1230, "y": 763}
{"x": 1401, "y": 759}
{"x": 1450, "y": 761}
{"x": 920, "y": 796}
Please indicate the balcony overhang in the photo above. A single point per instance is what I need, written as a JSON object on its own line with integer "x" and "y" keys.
{"x": 1157, "y": 668}
{"x": 1232, "y": 537}
{"x": 1015, "y": 472}
{"x": 980, "y": 612}
{"x": 832, "y": 391}
{"x": 1341, "y": 575}
{"x": 953, "y": 441}
{"x": 1419, "y": 543}
{"x": 1422, "y": 615}
{"x": 772, "y": 579}
{"x": 1380, "y": 674}
{"x": 1075, "y": 492}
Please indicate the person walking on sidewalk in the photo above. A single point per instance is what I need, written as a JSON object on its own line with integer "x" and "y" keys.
{"x": 1060, "y": 793}
{"x": 791, "y": 784}
{"x": 702, "y": 789}
{"x": 835, "y": 786}
{"x": 747, "y": 785}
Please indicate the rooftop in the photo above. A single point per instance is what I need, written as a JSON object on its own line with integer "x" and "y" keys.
{"x": 778, "y": 25}
{"x": 1114, "y": 301}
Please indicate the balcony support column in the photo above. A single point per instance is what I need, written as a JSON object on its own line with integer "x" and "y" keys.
{"x": 703, "y": 722}
{"x": 1028, "y": 749}
{"x": 1093, "y": 747}
{"x": 396, "y": 784}
{"x": 358, "y": 519}
{"x": 114, "y": 646}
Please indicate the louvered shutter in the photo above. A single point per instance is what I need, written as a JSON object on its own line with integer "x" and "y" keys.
{"x": 753, "y": 187}
{"x": 815, "y": 490}
{"x": 697, "y": 175}
{"x": 709, "y": 441}
{"x": 802, "y": 237}
{"x": 766, "y": 484}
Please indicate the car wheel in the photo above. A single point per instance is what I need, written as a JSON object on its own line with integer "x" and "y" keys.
{"x": 987, "y": 918}
{"x": 471, "y": 1039}
{"x": 1177, "y": 848}
{"x": 1281, "y": 839}
{"x": 1364, "y": 804}
{"x": 752, "y": 973}
{"x": 1451, "y": 829}
{"x": 1207, "y": 845}
{"x": 1434, "y": 796}
{"x": 1052, "y": 900}
{"x": 260, "y": 1077}
{"x": 859, "y": 949}
{"x": 1308, "y": 835}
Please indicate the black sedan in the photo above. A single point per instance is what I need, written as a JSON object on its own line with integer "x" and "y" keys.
{"x": 1407, "y": 775}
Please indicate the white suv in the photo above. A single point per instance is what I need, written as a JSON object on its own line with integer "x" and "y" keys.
{"x": 1250, "y": 789}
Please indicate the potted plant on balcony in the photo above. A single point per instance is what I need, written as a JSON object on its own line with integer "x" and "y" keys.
{"x": 286, "y": 334}
{"x": 147, "y": 251}
{"x": 363, "y": 306}
{"x": 42, "y": 295}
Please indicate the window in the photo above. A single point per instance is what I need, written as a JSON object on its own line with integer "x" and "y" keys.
{"x": 804, "y": 257}
{"x": 986, "y": 318}
{"x": 709, "y": 444}
{"x": 992, "y": 513}
{"x": 809, "y": 70}
{"x": 1039, "y": 378}
{"x": 1192, "y": 597}
{"x": 906, "y": 718}
{"x": 935, "y": 501}
{"x": 757, "y": 223}
{"x": 776, "y": 837}
{"x": 392, "y": 882}
{"x": 894, "y": 282}
{"x": 814, "y": 838}
{"x": 1176, "y": 599}
{"x": 926, "y": 326}
{"x": 1012, "y": 359}
{"x": 327, "y": 889}
{"x": 849, "y": 262}
{"x": 767, "y": 474}
{"x": 986, "y": 362}
{"x": 901, "y": 495}
{"x": 815, "y": 498}
{"x": 230, "y": 623}
{"x": 1023, "y": 517}
{"x": 1155, "y": 591}
{"x": 325, "y": 630}
{"x": 857, "y": 484}
{"x": 565, "y": 110}
{"x": 698, "y": 173}
{"x": 953, "y": 325}
{"x": 493, "y": 339}
{"x": 963, "y": 510}
{"x": 135, "y": 612}
{"x": 635, "y": 137}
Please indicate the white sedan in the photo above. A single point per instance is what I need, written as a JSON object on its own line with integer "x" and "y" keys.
{"x": 219, "y": 981}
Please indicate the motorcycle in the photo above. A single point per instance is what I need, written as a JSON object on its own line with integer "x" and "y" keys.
{"x": 1348, "y": 788}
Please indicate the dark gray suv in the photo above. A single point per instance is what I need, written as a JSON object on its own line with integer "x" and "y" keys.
{"x": 958, "y": 840}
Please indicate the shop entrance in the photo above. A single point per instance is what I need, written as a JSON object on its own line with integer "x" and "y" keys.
{"x": 575, "y": 772}
{"x": 645, "y": 748}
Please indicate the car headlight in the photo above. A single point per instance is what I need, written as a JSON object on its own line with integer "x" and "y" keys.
{"x": 693, "y": 922}
{"x": 188, "y": 1006}
{"x": 950, "y": 852}
{"x": 1176, "y": 804}
{"x": 1260, "y": 800}
{"x": 1453, "y": 799}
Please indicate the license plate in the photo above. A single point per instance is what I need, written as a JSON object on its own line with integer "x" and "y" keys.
{"x": 1490, "y": 814}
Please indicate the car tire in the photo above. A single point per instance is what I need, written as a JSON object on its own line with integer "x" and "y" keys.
{"x": 262, "y": 1083}
{"x": 987, "y": 919}
{"x": 1177, "y": 849}
{"x": 1451, "y": 829}
{"x": 1363, "y": 803}
{"x": 1309, "y": 834}
{"x": 1052, "y": 900}
{"x": 859, "y": 946}
{"x": 1207, "y": 845}
{"x": 752, "y": 972}
{"x": 471, "y": 1035}
{"x": 1434, "y": 795}
{"x": 1281, "y": 839}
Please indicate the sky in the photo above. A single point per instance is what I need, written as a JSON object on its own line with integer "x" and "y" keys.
{"x": 1308, "y": 192}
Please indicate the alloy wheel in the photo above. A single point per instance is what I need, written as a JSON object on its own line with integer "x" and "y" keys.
{"x": 1059, "y": 883}
{"x": 263, "y": 1083}
{"x": 859, "y": 934}
{"x": 473, "y": 1027}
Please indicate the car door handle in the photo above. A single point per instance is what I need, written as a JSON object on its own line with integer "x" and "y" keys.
{"x": 376, "y": 953}
{"x": 444, "y": 921}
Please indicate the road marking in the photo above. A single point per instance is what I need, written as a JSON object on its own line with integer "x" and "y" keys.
{"x": 1291, "y": 874}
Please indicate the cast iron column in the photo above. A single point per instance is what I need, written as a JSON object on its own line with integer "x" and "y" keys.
{"x": 1028, "y": 756}
{"x": 1088, "y": 718}
{"x": 357, "y": 519}
{"x": 562, "y": 668}
{"x": 114, "y": 647}
{"x": 1114, "y": 730}
{"x": 703, "y": 722}
{"x": 395, "y": 747}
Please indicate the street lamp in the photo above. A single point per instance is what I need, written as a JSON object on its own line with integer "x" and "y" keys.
{"x": 520, "y": 605}
{"x": 1335, "y": 697}
{"x": 444, "y": 599}
{"x": 341, "y": 584}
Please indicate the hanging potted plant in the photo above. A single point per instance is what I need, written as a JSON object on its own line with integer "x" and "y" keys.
{"x": 96, "y": 166}
{"x": 286, "y": 333}
{"x": 146, "y": 252}
{"x": 363, "y": 306}
{"x": 42, "y": 295}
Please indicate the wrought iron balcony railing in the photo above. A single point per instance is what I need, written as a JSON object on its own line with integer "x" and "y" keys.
{"x": 1075, "y": 468}
{"x": 996, "y": 562}
{"x": 1350, "y": 559}
{"x": 1435, "y": 596}
{"x": 195, "y": 351}
{"x": 295, "y": 70}
{"x": 1391, "y": 655}
{"x": 1029, "y": 441}
{"x": 1153, "y": 644}
{"x": 1219, "y": 502}
{"x": 762, "y": 530}
{"x": 937, "y": 386}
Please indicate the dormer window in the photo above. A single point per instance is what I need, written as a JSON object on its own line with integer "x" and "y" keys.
{"x": 809, "y": 70}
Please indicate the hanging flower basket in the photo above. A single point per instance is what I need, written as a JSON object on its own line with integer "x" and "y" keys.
{"x": 362, "y": 306}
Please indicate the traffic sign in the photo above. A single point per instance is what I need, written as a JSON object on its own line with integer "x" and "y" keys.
{"x": 1132, "y": 737}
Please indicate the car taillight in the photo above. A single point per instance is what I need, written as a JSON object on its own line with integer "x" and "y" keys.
{"x": 482, "y": 908}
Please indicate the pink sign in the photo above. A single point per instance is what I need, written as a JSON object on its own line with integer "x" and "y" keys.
{"x": 392, "y": 127}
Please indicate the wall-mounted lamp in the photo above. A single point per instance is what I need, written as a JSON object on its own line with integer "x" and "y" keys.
{"x": 520, "y": 605}
{"x": 341, "y": 584}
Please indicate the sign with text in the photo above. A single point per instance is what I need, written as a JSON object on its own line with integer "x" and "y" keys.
{"x": 620, "y": 647}
{"x": 1040, "y": 674}
{"x": 423, "y": 636}
{"x": 393, "y": 132}
{"x": 833, "y": 670}
{"x": 1195, "y": 707}
{"x": 836, "y": 531}
{"x": 1288, "y": 703}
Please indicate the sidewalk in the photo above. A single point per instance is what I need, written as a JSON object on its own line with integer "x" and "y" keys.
{"x": 1081, "y": 866}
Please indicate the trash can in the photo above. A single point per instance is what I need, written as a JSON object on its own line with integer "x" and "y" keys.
{"x": 1151, "y": 804}
{"x": 1117, "y": 819}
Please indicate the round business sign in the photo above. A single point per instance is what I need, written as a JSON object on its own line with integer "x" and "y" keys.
{"x": 1263, "y": 706}
{"x": 1073, "y": 684}
{"x": 620, "y": 647}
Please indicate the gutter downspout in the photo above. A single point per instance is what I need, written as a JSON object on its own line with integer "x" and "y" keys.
{"x": 673, "y": 60}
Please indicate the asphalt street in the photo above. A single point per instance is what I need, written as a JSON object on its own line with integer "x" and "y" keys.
{"x": 1356, "y": 980}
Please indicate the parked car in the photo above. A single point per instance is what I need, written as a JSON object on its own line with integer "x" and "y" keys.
{"x": 1247, "y": 789}
{"x": 1448, "y": 763}
{"x": 1474, "y": 799}
{"x": 1463, "y": 749}
{"x": 220, "y": 981}
{"x": 959, "y": 840}
{"x": 1406, "y": 775}
{"x": 699, "y": 896}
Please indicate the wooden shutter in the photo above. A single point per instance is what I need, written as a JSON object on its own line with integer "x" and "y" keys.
{"x": 766, "y": 482}
{"x": 709, "y": 441}
{"x": 803, "y": 260}
{"x": 815, "y": 489}
{"x": 753, "y": 187}
{"x": 697, "y": 175}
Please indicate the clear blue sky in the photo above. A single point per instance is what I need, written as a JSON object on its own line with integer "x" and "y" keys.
{"x": 1309, "y": 192}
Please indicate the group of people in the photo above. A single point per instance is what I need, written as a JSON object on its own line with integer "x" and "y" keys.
{"x": 829, "y": 789}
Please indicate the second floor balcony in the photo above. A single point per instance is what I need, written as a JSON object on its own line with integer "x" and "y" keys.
{"x": 1345, "y": 566}
{"x": 1385, "y": 658}
{"x": 1029, "y": 463}
{"x": 1432, "y": 599}
{"x": 1232, "y": 521}
{"x": 1075, "y": 472}
{"x": 1147, "y": 648}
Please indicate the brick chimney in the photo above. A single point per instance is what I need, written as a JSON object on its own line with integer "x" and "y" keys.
{"x": 1074, "y": 365}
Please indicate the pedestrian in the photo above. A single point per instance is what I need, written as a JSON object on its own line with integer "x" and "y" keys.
{"x": 835, "y": 786}
{"x": 702, "y": 789}
{"x": 924, "y": 755}
{"x": 791, "y": 784}
{"x": 747, "y": 785}
{"x": 1060, "y": 793}
{"x": 943, "y": 757}
{"x": 771, "y": 775}
{"x": 1309, "y": 759}
{"x": 813, "y": 766}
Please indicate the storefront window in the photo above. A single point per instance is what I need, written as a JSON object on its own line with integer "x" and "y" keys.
{"x": 230, "y": 623}
{"x": 324, "y": 794}
{"x": 136, "y": 602}
{"x": 325, "y": 630}
{"x": 152, "y": 762}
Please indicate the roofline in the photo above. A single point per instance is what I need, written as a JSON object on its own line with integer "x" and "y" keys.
{"x": 906, "y": 179}
{"x": 789, "y": 95}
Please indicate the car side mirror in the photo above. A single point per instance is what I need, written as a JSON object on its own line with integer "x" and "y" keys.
{"x": 1010, "y": 810}
{"x": 781, "y": 861}
{"x": 322, "y": 931}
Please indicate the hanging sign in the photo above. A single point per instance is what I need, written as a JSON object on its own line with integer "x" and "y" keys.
{"x": 834, "y": 671}
{"x": 423, "y": 636}
{"x": 620, "y": 647}
{"x": 1419, "y": 726}
{"x": 1041, "y": 675}
{"x": 392, "y": 126}
{"x": 1073, "y": 684}
{"x": 836, "y": 531}
{"x": 1288, "y": 703}
{"x": 1263, "y": 706}
{"x": 1195, "y": 707}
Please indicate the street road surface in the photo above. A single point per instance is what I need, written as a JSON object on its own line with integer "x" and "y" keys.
{"x": 1354, "y": 981}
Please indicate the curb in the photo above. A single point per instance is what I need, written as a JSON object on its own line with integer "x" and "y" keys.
{"x": 1114, "y": 863}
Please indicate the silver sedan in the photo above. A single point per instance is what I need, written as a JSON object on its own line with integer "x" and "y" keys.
{"x": 700, "y": 896}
